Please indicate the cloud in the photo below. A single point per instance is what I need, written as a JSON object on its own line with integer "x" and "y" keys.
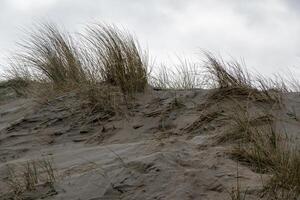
{"x": 30, "y": 5}
{"x": 263, "y": 32}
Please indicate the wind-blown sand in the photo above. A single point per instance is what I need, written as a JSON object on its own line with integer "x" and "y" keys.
{"x": 146, "y": 154}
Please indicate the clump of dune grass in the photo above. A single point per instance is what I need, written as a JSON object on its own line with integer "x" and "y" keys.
{"x": 103, "y": 67}
{"x": 285, "y": 180}
{"x": 28, "y": 176}
{"x": 282, "y": 164}
{"x": 231, "y": 80}
{"x": 248, "y": 103}
{"x": 226, "y": 74}
{"x": 259, "y": 149}
{"x": 264, "y": 149}
{"x": 52, "y": 55}
{"x": 117, "y": 58}
{"x": 258, "y": 142}
{"x": 246, "y": 125}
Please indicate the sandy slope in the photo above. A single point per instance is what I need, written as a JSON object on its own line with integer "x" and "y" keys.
{"x": 147, "y": 154}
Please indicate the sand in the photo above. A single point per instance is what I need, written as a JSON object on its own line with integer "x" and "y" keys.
{"x": 146, "y": 154}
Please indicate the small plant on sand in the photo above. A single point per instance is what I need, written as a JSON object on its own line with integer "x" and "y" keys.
{"x": 47, "y": 168}
{"x": 29, "y": 175}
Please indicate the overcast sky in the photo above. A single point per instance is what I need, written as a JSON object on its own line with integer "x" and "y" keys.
{"x": 265, "y": 33}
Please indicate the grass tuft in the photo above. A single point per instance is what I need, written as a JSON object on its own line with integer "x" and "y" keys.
{"x": 266, "y": 150}
{"x": 29, "y": 176}
{"x": 52, "y": 55}
{"x": 231, "y": 80}
{"x": 226, "y": 75}
{"x": 117, "y": 57}
{"x": 105, "y": 67}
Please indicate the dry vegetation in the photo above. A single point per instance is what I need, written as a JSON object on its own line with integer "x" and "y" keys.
{"x": 110, "y": 67}
{"x": 232, "y": 81}
{"x": 262, "y": 147}
{"x": 106, "y": 68}
{"x": 29, "y": 176}
{"x": 118, "y": 58}
{"x": 185, "y": 75}
{"x": 251, "y": 113}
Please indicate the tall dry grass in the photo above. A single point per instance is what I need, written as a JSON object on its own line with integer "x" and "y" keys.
{"x": 102, "y": 66}
{"x": 117, "y": 57}
{"x": 52, "y": 54}
{"x": 258, "y": 143}
{"x": 269, "y": 151}
{"x": 223, "y": 74}
{"x": 256, "y": 140}
{"x": 232, "y": 80}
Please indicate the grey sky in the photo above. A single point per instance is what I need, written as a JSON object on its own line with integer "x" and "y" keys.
{"x": 265, "y": 33}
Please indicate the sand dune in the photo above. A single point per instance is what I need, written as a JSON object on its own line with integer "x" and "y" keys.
{"x": 151, "y": 153}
